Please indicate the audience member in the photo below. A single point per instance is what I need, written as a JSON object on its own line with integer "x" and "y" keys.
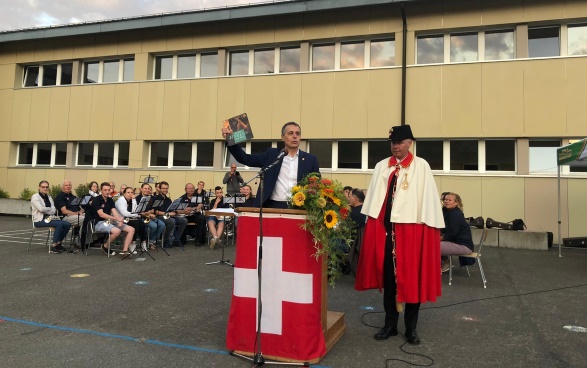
{"x": 43, "y": 213}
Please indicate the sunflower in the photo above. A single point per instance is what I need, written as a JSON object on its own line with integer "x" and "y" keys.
{"x": 298, "y": 199}
{"x": 321, "y": 202}
{"x": 328, "y": 193}
{"x": 330, "y": 219}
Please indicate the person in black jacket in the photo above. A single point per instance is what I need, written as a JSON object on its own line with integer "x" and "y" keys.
{"x": 456, "y": 238}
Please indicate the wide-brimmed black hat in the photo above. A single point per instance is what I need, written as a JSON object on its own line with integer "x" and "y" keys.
{"x": 400, "y": 132}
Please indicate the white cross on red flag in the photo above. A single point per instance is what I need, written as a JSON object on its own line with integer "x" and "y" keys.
{"x": 291, "y": 291}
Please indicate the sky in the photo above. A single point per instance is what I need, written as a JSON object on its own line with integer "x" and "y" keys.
{"x": 19, "y": 14}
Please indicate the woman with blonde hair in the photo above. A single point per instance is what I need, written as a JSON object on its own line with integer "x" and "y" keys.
{"x": 456, "y": 238}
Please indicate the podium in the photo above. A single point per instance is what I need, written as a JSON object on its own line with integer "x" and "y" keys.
{"x": 296, "y": 325}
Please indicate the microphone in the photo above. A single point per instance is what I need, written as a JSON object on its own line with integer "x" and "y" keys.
{"x": 281, "y": 154}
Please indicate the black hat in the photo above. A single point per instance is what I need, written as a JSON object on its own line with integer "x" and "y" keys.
{"x": 400, "y": 132}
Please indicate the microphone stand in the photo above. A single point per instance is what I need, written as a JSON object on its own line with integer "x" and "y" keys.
{"x": 258, "y": 359}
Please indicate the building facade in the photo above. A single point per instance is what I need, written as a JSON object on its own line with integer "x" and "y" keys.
{"x": 492, "y": 88}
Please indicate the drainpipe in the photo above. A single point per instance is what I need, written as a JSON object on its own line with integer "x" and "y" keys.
{"x": 404, "y": 48}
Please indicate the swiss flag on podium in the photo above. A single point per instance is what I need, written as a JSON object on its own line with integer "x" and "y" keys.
{"x": 291, "y": 291}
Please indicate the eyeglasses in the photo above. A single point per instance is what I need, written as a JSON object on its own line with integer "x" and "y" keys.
{"x": 44, "y": 186}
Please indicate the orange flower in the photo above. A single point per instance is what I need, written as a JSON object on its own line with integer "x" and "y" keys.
{"x": 344, "y": 213}
{"x": 326, "y": 181}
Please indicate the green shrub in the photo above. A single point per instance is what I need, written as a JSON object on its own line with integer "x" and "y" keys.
{"x": 3, "y": 193}
{"x": 82, "y": 190}
{"x": 54, "y": 190}
{"x": 26, "y": 194}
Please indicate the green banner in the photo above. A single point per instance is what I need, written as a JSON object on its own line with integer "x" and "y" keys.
{"x": 573, "y": 152}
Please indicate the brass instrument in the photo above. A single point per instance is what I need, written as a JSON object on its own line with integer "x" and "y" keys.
{"x": 108, "y": 221}
{"x": 166, "y": 216}
{"x": 147, "y": 219}
{"x": 50, "y": 218}
{"x": 126, "y": 220}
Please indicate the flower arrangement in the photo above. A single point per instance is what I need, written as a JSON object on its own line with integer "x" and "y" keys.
{"x": 327, "y": 212}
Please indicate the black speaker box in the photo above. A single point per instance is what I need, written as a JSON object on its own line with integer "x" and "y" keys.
{"x": 580, "y": 242}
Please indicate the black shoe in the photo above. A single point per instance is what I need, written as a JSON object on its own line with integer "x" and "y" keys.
{"x": 412, "y": 337}
{"x": 105, "y": 250}
{"x": 385, "y": 333}
{"x": 60, "y": 247}
{"x": 54, "y": 250}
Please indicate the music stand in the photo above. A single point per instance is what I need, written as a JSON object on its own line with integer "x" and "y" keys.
{"x": 222, "y": 260}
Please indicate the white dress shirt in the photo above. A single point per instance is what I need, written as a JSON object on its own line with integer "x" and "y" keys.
{"x": 287, "y": 178}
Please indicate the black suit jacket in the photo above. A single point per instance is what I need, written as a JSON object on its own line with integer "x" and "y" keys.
{"x": 307, "y": 163}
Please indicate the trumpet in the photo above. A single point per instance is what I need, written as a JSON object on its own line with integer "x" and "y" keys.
{"x": 126, "y": 220}
{"x": 146, "y": 219}
{"x": 50, "y": 218}
{"x": 166, "y": 216}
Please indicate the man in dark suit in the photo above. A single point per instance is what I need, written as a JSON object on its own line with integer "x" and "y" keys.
{"x": 279, "y": 180}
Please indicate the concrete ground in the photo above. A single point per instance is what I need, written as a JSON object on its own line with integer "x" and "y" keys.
{"x": 173, "y": 312}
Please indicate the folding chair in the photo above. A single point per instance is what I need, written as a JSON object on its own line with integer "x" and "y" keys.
{"x": 91, "y": 235}
{"x": 476, "y": 256}
{"x": 49, "y": 233}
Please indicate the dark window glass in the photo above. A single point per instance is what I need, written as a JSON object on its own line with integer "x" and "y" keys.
{"x": 159, "y": 154}
{"x": 259, "y": 147}
{"x": 209, "y": 65}
{"x": 264, "y": 61}
{"x": 182, "y": 154}
{"x": 349, "y": 154}
{"x": 31, "y": 77}
{"x": 85, "y": 154}
{"x": 543, "y": 42}
{"x": 25, "y": 154}
{"x": 110, "y": 71}
{"x": 60, "y": 153}
{"x": 106, "y": 153}
{"x": 205, "y": 154}
{"x": 43, "y": 153}
{"x": 289, "y": 59}
{"x": 430, "y": 151}
{"x": 280, "y": 145}
{"x": 239, "y": 63}
{"x": 322, "y": 149}
{"x": 578, "y": 169}
{"x": 123, "y": 153}
{"x": 500, "y": 155}
{"x": 50, "y": 75}
{"x": 464, "y": 155}
{"x": 91, "y": 72}
{"x": 430, "y": 49}
{"x": 163, "y": 68}
{"x": 378, "y": 150}
{"x": 323, "y": 57}
{"x": 186, "y": 66}
{"x": 382, "y": 53}
{"x": 128, "y": 72}
{"x": 66, "y": 72}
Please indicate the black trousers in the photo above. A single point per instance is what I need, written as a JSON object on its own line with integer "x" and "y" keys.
{"x": 199, "y": 232}
{"x": 411, "y": 310}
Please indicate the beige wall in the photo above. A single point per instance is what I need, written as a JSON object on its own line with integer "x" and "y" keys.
{"x": 518, "y": 99}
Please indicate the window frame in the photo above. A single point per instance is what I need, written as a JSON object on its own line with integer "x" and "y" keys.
{"x": 35, "y": 153}
{"x": 171, "y": 153}
{"x": 115, "y": 158}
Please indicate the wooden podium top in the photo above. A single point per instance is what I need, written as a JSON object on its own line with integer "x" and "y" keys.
{"x": 281, "y": 211}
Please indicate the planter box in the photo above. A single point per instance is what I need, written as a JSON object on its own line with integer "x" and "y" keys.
{"x": 9, "y": 206}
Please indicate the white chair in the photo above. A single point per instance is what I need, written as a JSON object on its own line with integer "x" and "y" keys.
{"x": 49, "y": 233}
{"x": 476, "y": 256}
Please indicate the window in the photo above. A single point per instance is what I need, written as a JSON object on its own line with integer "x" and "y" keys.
{"x": 205, "y": 154}
{"x": 239, "y": 63}
{"x": 163, "y": 67}
{"x": 543, "y": 42}
{"x": 377, "y": 151}
{"x": 260, "y": 146}
{"x": 110, "y": 71}
{"x": 577, "y": 40}
{"x": 31, "y": 76}
{"x": 323, "y": 150}
{"x": 432, "y": 152}
{"x": 382, "y": 53}
{"x": 45, "y": 154}
{"x": 25, "y": 153}
{"x": 430, "y": 49}
{"x": 91, "y": 72}
{"x": 264, "y": 61}
{"x": 542, "y": 155}
{"x": 464, "y": 155}
{"x": 350, "y": 154}
{"x": 323, "y": 57}
{"x": 182, "y": 154}
{"x": 111, "y": 154}
{"x": 209, "y": 65}
{"x": 186, "y": 66}
{"x": 499, "y": 45}
{"x": 289, "y": 59}
{"x": 50, "y": 75}
{"x": 500, "y": 155}
{"x": 159, "y": 154}
{"x": 128, "y": 71}
{"x": 352, "y": 55}
{"x": 464, "y": 47}
{"x": 66, "y": 73}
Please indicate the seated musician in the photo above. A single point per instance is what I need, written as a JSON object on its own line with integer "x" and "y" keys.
{"x": 104, "y": 209}
{"x": 456, "y": 238}
{"x": 73, "y": 214}
{"x": 216, "y": 223}
{"x": 247, "y": 193}
{"x": 155, "y": 226}
{"x": 43, "y": 212}
{"x": 126, "y": 206}
{"x": 194, "y": 214}
{"x": 172, "y": 221}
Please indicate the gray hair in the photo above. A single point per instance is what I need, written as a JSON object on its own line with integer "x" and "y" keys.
{"x": 288, "y": 124}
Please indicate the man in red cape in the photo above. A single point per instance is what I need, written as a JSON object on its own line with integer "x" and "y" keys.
{"x": 401, "y": 246}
